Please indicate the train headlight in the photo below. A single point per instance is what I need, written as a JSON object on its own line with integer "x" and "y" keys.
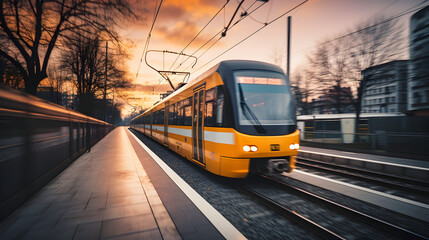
{"x": 251, "y": 148}
{"x": 294, "y": 146}
{"x": 246, "y": 148}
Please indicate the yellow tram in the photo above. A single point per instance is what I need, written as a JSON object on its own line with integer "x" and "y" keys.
{"x": 236, "y": 118}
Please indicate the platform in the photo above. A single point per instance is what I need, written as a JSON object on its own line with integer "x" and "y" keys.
{"x": 118, "y": 190}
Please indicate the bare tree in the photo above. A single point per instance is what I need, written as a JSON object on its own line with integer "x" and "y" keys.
{"x": 372, "y": 43}
{"x": 31, "y": 29}
{"x": 84, "y": 59}
{"x": 337, "y": 64}
{"x": 329, "y": 68}
{"x": 9, "y": 75}
{"x": 304, "y": 88}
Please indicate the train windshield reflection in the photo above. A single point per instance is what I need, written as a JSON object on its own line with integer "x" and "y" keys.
{"x": 264, "y": 98}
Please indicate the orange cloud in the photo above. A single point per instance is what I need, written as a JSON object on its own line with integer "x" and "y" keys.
{"x": 180, "y": 33}
{"x": 195, "y": 7}
{"x": 178, "y": 20}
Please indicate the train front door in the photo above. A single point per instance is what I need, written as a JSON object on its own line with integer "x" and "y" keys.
{"x": 198, "y": 124}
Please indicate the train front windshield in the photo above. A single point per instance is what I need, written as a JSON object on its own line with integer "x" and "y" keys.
{"x": 264, "y": 102}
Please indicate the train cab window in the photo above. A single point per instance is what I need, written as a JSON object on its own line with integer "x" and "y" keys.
{"x": 264, "y": 103}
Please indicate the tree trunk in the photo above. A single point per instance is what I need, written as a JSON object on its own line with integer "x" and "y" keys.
{"x": 31, "y": 85}
{"x": 32, "y": 82}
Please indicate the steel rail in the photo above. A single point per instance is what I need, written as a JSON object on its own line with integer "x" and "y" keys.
{"x": 362, "y": 217}
{"x": 314, "y": 228}
{"x": 356, "y": 174}
{"x": 369, "y": 172}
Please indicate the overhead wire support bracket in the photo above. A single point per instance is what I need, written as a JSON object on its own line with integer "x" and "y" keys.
{"x": 232, "y": 18}
{"x": 165, "y": 73}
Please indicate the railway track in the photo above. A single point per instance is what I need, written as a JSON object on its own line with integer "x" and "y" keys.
{"x": 306, "y": 219}
{"x": 394, "y": 182}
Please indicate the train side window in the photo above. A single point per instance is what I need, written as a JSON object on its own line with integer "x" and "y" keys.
{"x": 208, "y": 121}
{"x": 187, "y": 101}
{"x": 157, "y": 117}
{"x": 219, "y": 107}
{"x": 180, "y": 113}
{"x": 211, "y": 94}
{"x": 187, "y": 111}
{"x": 188, "y": 116}
{"x": 210, "y": 107}
{"x": 161, "y": 116}
{"x": 171, "y": 114}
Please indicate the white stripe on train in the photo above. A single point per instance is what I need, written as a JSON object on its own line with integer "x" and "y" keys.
{"x": 216, "y": 137}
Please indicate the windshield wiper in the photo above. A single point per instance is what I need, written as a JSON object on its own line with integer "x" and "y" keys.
{"x": 258, "y": 126}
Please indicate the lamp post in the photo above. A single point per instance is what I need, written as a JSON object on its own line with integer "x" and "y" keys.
{"x": 105, "y": 86}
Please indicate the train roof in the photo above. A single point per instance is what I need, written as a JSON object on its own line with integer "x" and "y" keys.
{"x": 231, "y": 65}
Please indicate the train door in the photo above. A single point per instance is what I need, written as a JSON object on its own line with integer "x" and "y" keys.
{"x": 198, "y": 124}
{"x": 166, "y": 112}
{"x": 151, "y": 122}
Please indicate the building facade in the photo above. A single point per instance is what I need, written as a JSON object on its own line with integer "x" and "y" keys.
{"x": 333, "y": 101}
{"x": 386, "y": 88}
{"x": 418, "y": 85}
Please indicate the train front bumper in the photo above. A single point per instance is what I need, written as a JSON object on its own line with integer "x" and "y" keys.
{"x": 241, "y": 167}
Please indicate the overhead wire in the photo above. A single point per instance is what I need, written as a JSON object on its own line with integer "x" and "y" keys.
{"x": 409, "y": 10}
{"x": 267, "y": 24}
{"x": 149, "y": 36}
{"x": 245, "y": 11}
{"x": 214, "y": 36}
{"x": 220, "y": 10}
{"x": 217, "y": 13}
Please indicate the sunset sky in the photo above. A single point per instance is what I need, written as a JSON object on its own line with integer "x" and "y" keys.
{"x": 180, "y": 20}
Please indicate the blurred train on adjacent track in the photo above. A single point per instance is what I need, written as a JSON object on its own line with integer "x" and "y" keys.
{"x": 236, "y": 118}
{"x": 38, "y": 139}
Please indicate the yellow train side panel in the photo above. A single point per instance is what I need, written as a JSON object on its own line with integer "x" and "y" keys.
{"x": 234, "y": 167}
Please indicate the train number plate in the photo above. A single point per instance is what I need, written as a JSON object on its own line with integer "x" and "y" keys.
{"x": 275, "y": 147}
